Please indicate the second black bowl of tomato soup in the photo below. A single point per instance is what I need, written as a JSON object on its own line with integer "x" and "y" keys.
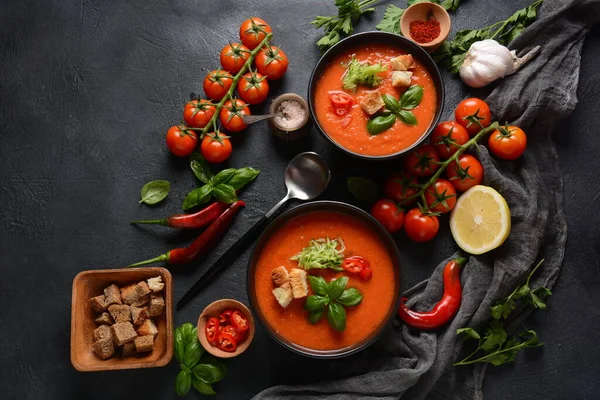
{"x": 345, "y": 125}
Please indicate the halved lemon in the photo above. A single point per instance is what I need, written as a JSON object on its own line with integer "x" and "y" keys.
{"x": 480, "y": 221}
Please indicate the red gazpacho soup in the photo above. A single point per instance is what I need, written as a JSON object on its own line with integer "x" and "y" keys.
{"x": 291, "y": 322}
{"x": 349, "y": 129}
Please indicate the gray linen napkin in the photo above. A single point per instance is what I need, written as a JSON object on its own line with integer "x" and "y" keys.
{"x": 416, "y": 365}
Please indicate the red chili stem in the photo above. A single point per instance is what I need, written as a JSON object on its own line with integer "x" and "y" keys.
{"x": 446, "y": 308}
{"x": 201, "y": 244}
{"x": 190, "y": 221}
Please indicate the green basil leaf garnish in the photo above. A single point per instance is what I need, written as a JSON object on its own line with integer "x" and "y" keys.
{"x": 223, "y": 176}
{"x": 179, "y": 346}
{"x": 200, "y": 168}
{"x": 315, "y": 316}
{"x": 315, "y": 302}
{"x": 225, "y": 193}
{"x": 208, "y": 373}
{"x": 381, "y": 123}
{"x": 391, "y": 103}
{"x": 362, "y": 188}
{"x": 407, "y": 117}
{"x": 197, "y": 197}
{"x": 318, "y": 284}
{"x": 183, "y": 382}
{"x": 350, "y": 297}
{"x": 203, "y": 387}
{"x": 336, "y": 316}
{"x": 155, "y": 191}
{"x": 411, "y": 98}
{"x": 336, "y": 288}
{"x": 242, "y": 176}
{"x": 193, "y": 352}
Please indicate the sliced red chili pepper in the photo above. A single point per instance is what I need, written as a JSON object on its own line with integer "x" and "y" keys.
{"x": 226, "y": 342}
{"x": 355, "y": 264}
{"x": 365, "y": 274}
{"x": 225, "y": 317}
{"x": 346, "y": 121}
{"x": 239, "y": 321}
{"x": 341, "y": 102}
{"x": 228, "y": 329}
{"x": 212, "y": 330}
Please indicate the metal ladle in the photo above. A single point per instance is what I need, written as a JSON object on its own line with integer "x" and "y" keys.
{"x": 306, "y": 177}
{"x": 250, "y": 119}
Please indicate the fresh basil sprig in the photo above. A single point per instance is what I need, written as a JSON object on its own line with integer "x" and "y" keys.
{"x": 400, "y": 109}
{"x": 222, "y": 185}
{"x": 333, "y": 297}
{"x": 197, "y": 368}
{"x": 155, "y": 191}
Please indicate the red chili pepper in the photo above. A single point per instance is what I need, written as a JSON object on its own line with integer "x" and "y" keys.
{"x": 355, "y": 264}
{"x": 225, "y": 317}
{"x": 226, "y": 342}
{"x": 365, "y": 274}
{"x": 230, "y": 330}
{"x": 239, "y": 321}
{"x": 211, "y": 330}
{"x": 445, "y": 309}
{"x": 202, "y": 244}
{"x": 190, "y": 221}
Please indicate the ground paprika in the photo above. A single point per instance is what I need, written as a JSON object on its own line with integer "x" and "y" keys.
{"x": 425, "y": 31}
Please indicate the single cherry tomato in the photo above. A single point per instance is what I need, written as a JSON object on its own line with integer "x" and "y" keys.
{"x": 253, "y": 88}
{"x": 422, "y": 161}
{"x": 365, "y": 274}
{"x": 181, "y": 141}
{"x": 341, "y": 102}
{"x": 225, "y": 317}
{"x": 471, "y": 110}
{"x": 217, "y": 83}
{"x": 272, "y": 62}
{"x": 234, "y": 56}
{"x": 212, "y": 330}
{"x": 466, "y": 174}
{"x": 508, "y": 142}
{"x": 215, "y": 148}
{"x": 388, "y": 214}
{"x": 239, "y": 321}
{"x": 400, "y": 186}
{"x": 441, "y": 196}
{"x": 198, "y": 113}
{"x": 420, "y": 227}
{"x": 355, "y": 264}
{"x": 447, "y": 137}
{"x": 226, "y": 342}
{"x": 231, "y": 115}
{"x": 253, "y": 31}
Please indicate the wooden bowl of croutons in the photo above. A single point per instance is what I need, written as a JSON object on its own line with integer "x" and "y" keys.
{"x": 122, "y": 319}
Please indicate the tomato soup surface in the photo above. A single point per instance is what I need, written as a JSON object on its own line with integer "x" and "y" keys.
{"x": 363, "y": 319}
{"x": 355, "y": 136}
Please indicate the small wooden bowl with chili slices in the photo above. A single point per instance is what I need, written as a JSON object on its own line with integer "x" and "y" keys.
{"x": 231, "y": 326}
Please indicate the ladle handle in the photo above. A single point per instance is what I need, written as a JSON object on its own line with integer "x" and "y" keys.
{"x": 250, "y": 119}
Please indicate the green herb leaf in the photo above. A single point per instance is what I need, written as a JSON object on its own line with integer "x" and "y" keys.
{"x": 183, "y": 382}
{"x": 208, "y": 373}
{"x": 381, "y": 123}
{"x": 522, "y": 291}
{"x": 203, "y": 387}
{"x": 155, "y": 191}
{"x": 411, "y": 98}
{"x": 187, "y": 332}
{"x": 318, "y": 285}
{"x": 179, "y": 346}
{"x": 200, "y": 168}
{"x": 225, "y": 193}
{"x": 197, "y": 197}
{"x": 362, "y": 188}
{"x": 315, "y": 302}
{"x": 223, "y": 176}
{"x": 495, "y": 336}
{"x": 407, "y": 117}
{"x": 391, "y": 19}
{"x": 193, "y": 352}
{"x": 503, "y": 309}
{"x": 468, "y": 332}
{"x": 349, "y": 11}
{"x": 337, "y": 287}
{"x": 537, "y": 302}
{"x": 450, "y": 5}
{"x": 321, "y": 253}
{"x": 362, "y": 74}
{"x": 391, "y": 103}
{"x": 242, "y": 176}
{"x": 336, "y": 316}
{"x": 315, "y": 316}
{"x": 350, "y": 297}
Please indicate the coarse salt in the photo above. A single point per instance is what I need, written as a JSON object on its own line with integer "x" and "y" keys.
{"x": 291, "y": 114}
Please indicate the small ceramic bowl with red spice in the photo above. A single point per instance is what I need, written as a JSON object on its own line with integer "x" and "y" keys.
{"x": 428, "y": 24}
{"x": 226, "y": 328}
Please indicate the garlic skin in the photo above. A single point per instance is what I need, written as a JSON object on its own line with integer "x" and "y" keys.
{"x": 487, "y": 61}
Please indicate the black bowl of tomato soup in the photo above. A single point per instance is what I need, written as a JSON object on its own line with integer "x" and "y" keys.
{"x": 346, "y": 127}
{"x": 362, "y": 236}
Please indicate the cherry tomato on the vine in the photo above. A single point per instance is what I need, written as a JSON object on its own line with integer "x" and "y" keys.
{"x": 231, "y": 115}
{"x": 234, "y": 56}
{"x": 508, "y": 142}
{"x": 181, "y": 141}
{"x": 400, "y": 186}
{"x": 253, "y": 88}
{"x": 253, "y": 31}
{"x": 388, "y": 214}
{"x": 465, "y": 174}
{"x": 447, "y": 137}
{"x": 217, "y": 83}
{"x": 420, "y": 227}
{"x": 441, "y": 196}
{"x": 471, "y": 110}
{"x": 215, "y": 147}
{"x": 272, "y": 62}
{"x": 422, "y": 161}
{"x": 198, "y": 113}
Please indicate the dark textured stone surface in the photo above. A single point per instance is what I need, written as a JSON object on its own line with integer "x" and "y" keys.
{"x": 88, "y": 89}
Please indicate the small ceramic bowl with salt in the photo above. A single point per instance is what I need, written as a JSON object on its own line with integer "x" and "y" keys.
{"x": 292, "y": 120}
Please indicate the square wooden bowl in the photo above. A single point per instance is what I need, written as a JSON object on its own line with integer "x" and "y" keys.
{"x": 88, "y": 284}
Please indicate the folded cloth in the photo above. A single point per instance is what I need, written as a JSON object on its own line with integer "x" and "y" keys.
{"x": 411, "y": 364}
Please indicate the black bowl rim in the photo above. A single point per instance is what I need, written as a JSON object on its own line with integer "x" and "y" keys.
{"x": 332, "y": 206}
{"x": 355, "y": 37}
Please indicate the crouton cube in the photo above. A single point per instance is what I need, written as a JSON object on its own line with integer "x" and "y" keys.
{"x": 104, "y": 348}
{"x": 104, "y": 319}
{"x": 97, "y": 303}
{"x": 120, "y": 313}
{"x": 129, "y": 349}
{"x": 142, "y": 289}
{"x": 112, "y": 296}
{"x": 123, "y": 332}
{"x": 371, "y": 102}
{"x": 157, "y": 305}
{"x": 298, "y": 283}
{"x": 102, "y": 332}
{"x": 283, "y": 294}
{"x": 139, "y": 315}
{"x": 147, "y": 328}
{"x": 155, "y": 284}
{"x": 280, "y": 276}
{"x": 401, "y": 78}
{"x": 403, "y": 62}
{"x": 129, "y": 294}
{"x": 143, "y": 301}
{"x": 144, "y": 344}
